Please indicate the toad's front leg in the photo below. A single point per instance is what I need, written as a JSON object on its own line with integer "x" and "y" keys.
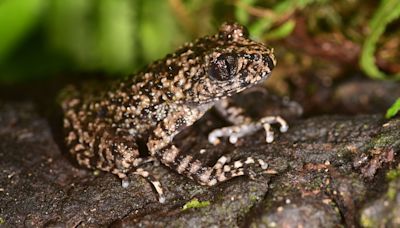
{"x": 243, "y": 125}
{"x": 160, "y": 146}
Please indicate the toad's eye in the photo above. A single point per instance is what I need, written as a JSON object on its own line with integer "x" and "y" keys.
{"x": 224, "y": 67}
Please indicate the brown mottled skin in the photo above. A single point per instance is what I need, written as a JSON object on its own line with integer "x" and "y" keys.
{"x": 102, "y": 130}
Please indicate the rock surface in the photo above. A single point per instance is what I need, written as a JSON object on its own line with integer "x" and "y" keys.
{"x": 325, "y": 171}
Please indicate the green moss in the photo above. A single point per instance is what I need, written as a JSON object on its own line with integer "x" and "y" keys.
{"x": 195, "y": 203}
{"x": 253, "y": 198}
{"x": 365, "y": 126}
{"x": 384, "y": 140}
{"x": 96, "y": 172}
{"x": 316, "y": 183}
{"x": 391, "y": 193}
{"x": 336, "y": 208}
{"x": 2, "y": 221}
{"x": 393, "y": 174}
{"x": 366, "y": 221}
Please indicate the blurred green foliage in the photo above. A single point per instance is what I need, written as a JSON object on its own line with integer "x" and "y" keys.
{"x": 277, "y": 11}
{"x": 388, "y": 11}
{"x": 40, "y": 38}
{"x": 16, "y": 20}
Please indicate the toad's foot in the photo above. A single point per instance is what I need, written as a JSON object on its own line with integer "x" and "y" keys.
{"x": 145, "y": 174}
{"x": 238, "y": 131}
{"x": 150, "y": 178}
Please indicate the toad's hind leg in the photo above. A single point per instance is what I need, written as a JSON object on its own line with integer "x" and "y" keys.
{"x": 221, "y": 171}
{"x": 160, "y": 146}
{"x": 96, "y": 145}
{"x": 150, "y": 178}
{"x": 122, "y": 156}
{"x": 136, "y": 170}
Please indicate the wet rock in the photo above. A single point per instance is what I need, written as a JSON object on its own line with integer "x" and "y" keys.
{"x": 312, "y": 211}
{"x": 366, "y": 96}
{"x": 384, "y": 211}
{"x": 326, "y": 171}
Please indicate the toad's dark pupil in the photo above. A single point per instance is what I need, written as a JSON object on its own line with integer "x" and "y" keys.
{"x": 224, "y": 67}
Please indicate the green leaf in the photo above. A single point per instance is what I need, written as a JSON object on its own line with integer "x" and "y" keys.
{"x": 393, "y": 110}
{"x": 281, "y": 32}
{"x": 195, "y": 203}
{"x": 393, "y": 174}
{"x": 291, "y": 5}
{"x": 241, "y": 14}
{"x": 388, "y": 11}
{"x": 17, "y": 18}
{"x": 259, "y": 27}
